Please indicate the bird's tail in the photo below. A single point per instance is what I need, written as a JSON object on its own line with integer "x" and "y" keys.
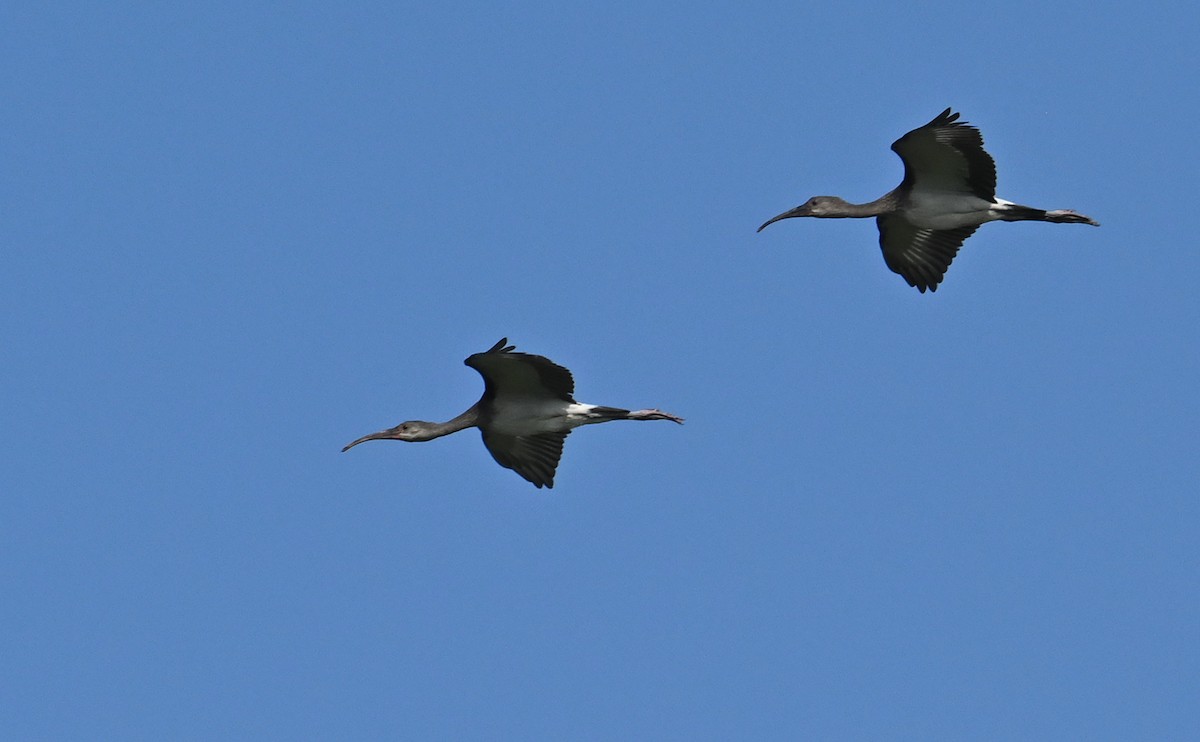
{"x": 1017, "y": 213}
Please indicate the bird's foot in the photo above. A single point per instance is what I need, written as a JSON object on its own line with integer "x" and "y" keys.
{"x": 654, "y": 415}
{"x": 1066, "y": 216}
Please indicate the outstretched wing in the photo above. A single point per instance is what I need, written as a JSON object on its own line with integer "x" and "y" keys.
{"x": 534, "y": 457}
{"x": 947, "y": 155}
{"x": 510, "y": 374}
{"x": 921, "y": 256}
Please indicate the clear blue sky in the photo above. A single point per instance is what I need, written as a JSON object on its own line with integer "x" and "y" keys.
{"x": 236, "y": 236}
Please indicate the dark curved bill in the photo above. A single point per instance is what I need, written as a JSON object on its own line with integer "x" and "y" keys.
{"x": 381, "y": 435}
{"x": 798, "y": 211}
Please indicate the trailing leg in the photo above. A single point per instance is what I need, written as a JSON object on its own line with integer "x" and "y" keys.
{"x": 1010, "y": 212}
{"x": 590, "y": 414}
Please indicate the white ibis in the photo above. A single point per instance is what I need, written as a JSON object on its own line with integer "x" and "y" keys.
{"x": 948, "y": 191}
{"x": 524, "y": 415}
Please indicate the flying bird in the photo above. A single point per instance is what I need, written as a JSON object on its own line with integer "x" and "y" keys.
{"x": 948, "y": 191}
{"x": 525, "y": 414}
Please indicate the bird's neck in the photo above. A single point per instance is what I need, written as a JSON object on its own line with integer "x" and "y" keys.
{"x": 883, "y": 205}
{"x": 468, "y": 419}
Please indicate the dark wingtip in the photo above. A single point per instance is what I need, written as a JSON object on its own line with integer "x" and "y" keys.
{"x": 944, "y": 118}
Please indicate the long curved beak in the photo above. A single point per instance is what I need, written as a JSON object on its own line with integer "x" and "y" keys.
{"x": 798, "y": 211}
{"x": 380, "y": 436}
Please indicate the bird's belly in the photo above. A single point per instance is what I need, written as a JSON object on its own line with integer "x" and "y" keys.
{"x": 528, "y": 417}
{"x": 946, "y": 210}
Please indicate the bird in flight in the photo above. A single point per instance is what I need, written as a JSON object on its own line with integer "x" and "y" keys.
{"x": 948, "y": 191}
{"x": 525, "y": 414}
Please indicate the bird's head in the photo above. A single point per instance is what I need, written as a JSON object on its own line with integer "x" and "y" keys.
{"x": 413, "y": 430}
{"x": 818, "y": 206}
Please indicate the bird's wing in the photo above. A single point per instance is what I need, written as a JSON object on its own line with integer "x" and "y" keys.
{"x": 921, "y": 256}
{"x": 510, "y": 374}
{"x": 534, "y": 457}
{"x": 947, "y": 155}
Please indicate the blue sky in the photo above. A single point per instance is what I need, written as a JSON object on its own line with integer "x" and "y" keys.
{"x": 237, "y": 236}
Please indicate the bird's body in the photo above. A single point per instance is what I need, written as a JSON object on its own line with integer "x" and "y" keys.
{"x": 545, "y": 416}
{"x": 525, "y": 414}
{"x": 948, "y": 191}
{"x": 943, "y": 210}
